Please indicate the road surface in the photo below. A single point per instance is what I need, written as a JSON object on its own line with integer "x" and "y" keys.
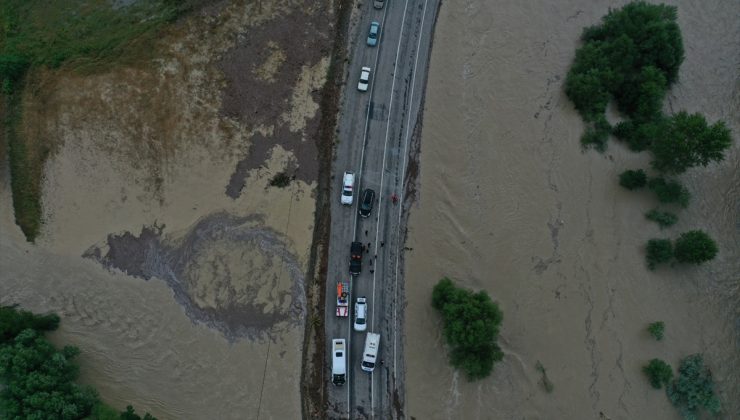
{"x": 375, "y": 129}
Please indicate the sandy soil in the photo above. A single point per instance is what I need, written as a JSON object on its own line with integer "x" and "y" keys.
{"x": 510, "y": 203}
{"x": 176, "y": 268}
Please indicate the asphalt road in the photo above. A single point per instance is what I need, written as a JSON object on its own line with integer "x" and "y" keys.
{"x": 375, "y": 129}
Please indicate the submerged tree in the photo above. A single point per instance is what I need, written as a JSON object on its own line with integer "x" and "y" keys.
{"x": 632, "y": 179}
{"x": 471, "y": 324}
{"x": 633, "y": 57}
{"x": 669, "y": 191}
{"x": 687, "y": 141}
{"x": 659, "y": 372}
{"x": 695, "y": 247}
{"x": 694, "y": 388}
{"x": 659, "y": 251}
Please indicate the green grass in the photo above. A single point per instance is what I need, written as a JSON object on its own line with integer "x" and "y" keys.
{"x": 86, "y": 35}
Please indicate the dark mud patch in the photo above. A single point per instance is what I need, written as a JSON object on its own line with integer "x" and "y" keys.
{"x": 304, "y": 35}
{"x": 305, "y": 167}
{"x": 182, "y": 262}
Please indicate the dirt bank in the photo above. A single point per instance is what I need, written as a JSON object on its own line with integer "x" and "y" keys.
{"x": 508, "y": 202}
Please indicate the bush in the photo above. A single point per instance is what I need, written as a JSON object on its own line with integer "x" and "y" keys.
{"x": 693, "y": 389}
{"x": 659, "y": 251}
{"x": 471, "y": 325}
{"x": 280, "y": 180}
{"x": 695, "y": 247}
{"x": 659, "y": 372}
{"x": 664, "y": 219}
{"x": 656, "y": 329}
{"x": 687, "y": 141}
{"x": 633, "y": 179}
{"x": 669, "y": 191}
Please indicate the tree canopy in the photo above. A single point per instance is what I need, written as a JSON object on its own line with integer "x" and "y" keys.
{"x": 471, "y": 325}
{"x": 39, "y": 381}
{"x": 695, "y": 247}
{"x": 633, "y": 57}
{"x": 693, "y": 390}
{"x": 687, "y": 140}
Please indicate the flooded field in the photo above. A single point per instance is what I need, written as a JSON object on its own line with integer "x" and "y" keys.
{"x": 510, "y": 203}
{"x": 177, "y": 267}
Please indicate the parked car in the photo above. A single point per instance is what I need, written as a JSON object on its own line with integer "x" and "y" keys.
{"x": 374, "y": 34}
{"x": 355, "y": 258}
{"x": 361, "y": 314}
{"x": 364, "y": 82}
{"x": 348, "y": 184}
{"x": 366, "y": 205}
{"x": 378, "y": 4}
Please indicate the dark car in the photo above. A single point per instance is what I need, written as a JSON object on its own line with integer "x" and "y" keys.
{"x": 366, "y": 205}
{"x": 355, "y": 259}
{"x": 355, "y": 267}
{"x": 355, "y": 251}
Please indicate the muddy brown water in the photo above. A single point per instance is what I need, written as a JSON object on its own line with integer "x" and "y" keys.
{"x": 509, "y": 203}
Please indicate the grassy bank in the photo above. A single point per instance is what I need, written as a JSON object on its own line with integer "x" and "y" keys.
{"x": 81, "y": 35}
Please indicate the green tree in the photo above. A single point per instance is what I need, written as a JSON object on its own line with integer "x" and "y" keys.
{"x": 659, "y": 372}
{"x": 632, "y": 179}
{"x": 657, "y": 329}
{"x": 695, "y": 247}
{"x": 39, "y": 379}
{"x": 14, "y": 320}
{"x": 659, "y": 251}
{"x": 633, "y": 57}
{"x": 471, "y": 324}
{"x": 130, "y": 414}
{"x": 693, "y": 389}
{"x": 689, "y": 141}
{"x": 664, "y": 219}
{"x": 669, "y": 191}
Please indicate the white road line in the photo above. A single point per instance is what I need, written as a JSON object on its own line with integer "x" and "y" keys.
{"x": 380, "y": 195}
{"x": 403, "y": 177}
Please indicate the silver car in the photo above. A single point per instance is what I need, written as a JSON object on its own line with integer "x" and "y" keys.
{"x": 364, "y": 79}
{"x": 360, "y": 314}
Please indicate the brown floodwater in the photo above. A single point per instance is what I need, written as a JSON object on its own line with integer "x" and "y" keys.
{"x": 510, "y": 203}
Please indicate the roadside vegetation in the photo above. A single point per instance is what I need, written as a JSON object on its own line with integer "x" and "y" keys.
{"x": 633, "y": 58}
{"x": 82, "y": 35}
{"x": 471, "y": 324}
{"x": 37, "y": 380}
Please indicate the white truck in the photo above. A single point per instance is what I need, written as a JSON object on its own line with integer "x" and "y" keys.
{"x": 370, "y": 354}
{"x": 338, "y": 362}
{"x": 342, "y": 299}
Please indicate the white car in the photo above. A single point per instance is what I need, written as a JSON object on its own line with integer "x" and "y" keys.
{"x": 361, "y": 314}
{"x": 364, "y": 79}
{"x": 348, "y": 185}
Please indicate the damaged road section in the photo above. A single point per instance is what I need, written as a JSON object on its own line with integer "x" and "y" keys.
{"x": 229, "y": 273}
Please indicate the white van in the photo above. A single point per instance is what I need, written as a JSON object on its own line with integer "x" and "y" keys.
{"x": 338, "y": 362}
{"x": 348, "y": 185}
{"x": 378, "y": 4}
{"x": 370, "y": 354}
